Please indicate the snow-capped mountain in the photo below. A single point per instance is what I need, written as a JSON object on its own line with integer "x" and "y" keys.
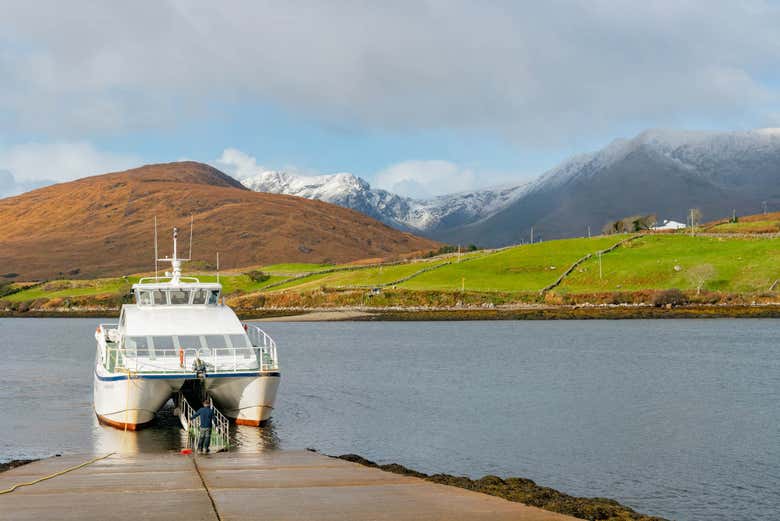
{"x": 664, "y": 172}
{"x": 421, "y": 216}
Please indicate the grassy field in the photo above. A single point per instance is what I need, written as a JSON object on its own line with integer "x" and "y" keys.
{"x": 761, "y": 223}
{"x": 727, "y": 265}
{"x": 293, "y": 268}
{"x": 522, "y": 268}
{"x": 683, "y": 262}
{"x": 73, "y": 288}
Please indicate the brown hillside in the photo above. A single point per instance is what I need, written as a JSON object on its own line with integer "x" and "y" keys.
{"x": 103, "y": 225}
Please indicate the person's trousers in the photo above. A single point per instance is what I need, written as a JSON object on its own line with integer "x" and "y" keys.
{"x": 205, "y": 439}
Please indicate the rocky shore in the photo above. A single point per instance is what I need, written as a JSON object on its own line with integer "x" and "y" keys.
{"x": 560, "y": 312}
{"x": 8, "y": 465}
{"x": 525, "y": 491}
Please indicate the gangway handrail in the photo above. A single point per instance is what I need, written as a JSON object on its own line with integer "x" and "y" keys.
{"x": 220, "y": 426}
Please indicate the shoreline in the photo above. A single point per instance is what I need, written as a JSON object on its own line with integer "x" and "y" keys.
{"x": 8, "y": 465}
{"x": 515, "y": 489}
{"x": 399, "y": 314}
{"x": 521, "y": 490}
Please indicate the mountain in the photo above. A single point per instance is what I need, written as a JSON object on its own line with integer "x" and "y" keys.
{"x": 103, "y": 225}
{"x": 664, "y": 172}
{"x": 426, "y": 217}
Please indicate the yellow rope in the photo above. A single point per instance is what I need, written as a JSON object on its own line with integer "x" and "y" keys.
{"x": 60, "y": 473}
{"x": 93, "y": 460}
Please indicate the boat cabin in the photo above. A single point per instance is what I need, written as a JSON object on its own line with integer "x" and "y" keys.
{"x": 176, "y": 295}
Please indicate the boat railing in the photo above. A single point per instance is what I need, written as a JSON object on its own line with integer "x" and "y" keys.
{"x": 260, "y": 339}
{"x": 261, "y": 355}
{"x": 220, "y": 426}
{"x": 216, "y": 360}
{"x": 159, "y": 280}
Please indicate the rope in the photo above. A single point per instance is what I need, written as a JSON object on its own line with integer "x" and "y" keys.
{"x": 60, "y": 473}
{"x": 88, "y": 462}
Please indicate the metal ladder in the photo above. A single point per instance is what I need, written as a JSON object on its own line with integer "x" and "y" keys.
{"x": 220, "y": 428}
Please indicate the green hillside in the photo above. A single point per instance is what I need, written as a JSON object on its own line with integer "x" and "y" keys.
{"x": 716, "y": 263}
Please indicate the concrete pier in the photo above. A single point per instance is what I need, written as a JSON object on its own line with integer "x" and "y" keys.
{"x": 276, "y": 485}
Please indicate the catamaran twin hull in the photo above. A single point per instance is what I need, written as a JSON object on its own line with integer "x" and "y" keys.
{"x": 131, "y": 401}
{"x": 178, "y": 331}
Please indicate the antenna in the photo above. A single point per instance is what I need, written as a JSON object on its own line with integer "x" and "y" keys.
{"x": 217, "y": 267}
{"x": 192, "y": 221}
{"x": 155, "y": 248}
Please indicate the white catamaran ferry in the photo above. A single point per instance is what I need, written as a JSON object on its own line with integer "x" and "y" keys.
{"x": 179, "y": 341}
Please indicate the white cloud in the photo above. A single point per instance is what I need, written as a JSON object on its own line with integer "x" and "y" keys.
{"x": 238, "y": 164}
{"x": 426, "y": 178}
{"x": 37, "y": 163}
{"x": 531, "y": 71}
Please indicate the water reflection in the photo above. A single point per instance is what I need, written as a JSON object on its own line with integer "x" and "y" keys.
{"x": 166, "y": 434}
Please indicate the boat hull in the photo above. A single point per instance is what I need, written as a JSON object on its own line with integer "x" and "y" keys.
{"x": 132, "y": 403}
{"x": 246, "y": 400}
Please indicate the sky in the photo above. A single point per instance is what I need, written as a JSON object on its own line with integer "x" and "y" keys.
{"x": 422, "y": 98}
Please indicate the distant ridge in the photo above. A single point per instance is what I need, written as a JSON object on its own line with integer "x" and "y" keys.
{"x": 103, "y": 225}
{"x": 665, "y": 172}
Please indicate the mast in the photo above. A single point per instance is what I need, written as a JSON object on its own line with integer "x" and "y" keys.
{"x": 175, "y": 261}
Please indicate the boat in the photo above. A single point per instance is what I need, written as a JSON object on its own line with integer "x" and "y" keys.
{"x": 179, "y": 340}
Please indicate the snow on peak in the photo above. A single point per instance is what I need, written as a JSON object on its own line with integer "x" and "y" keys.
{"x": 690, "y": 149}
{"x": 404, "y": 212}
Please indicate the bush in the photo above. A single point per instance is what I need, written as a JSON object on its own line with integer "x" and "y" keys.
{"x": 257, "y": 276}
{"x": 669, "y": 297}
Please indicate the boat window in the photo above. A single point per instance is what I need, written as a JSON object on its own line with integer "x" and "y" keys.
{"x": 216, "y": 341}
{"x": 179, "y": 296}
{"x": 189, "y": 341}
{"x": 144, "y": 298}
{"x": 199, "y": 296}
{"x": 239, "y": 340}
{"x": 138, "y": 344}
{"x": 159, "y": 297}
{"x": 162, "y": 342}
{"x": 214, "y": 296}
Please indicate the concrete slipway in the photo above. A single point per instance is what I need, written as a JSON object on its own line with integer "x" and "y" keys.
{"x": 276, "y": 485}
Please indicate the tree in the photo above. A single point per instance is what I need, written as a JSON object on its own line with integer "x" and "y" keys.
{"x": 699, "y": 275}
{"x": 695, "y": 217}
{"x": 634, "y": 223}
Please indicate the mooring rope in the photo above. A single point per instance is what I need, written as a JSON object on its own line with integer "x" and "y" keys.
{"x": 54, "y": 475}
{"x": 88, "y": 462}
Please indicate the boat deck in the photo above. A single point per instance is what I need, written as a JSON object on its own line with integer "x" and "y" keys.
{"x": 276, "y": 485}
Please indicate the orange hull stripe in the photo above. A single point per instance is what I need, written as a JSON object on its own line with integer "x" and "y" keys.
{"x": 121, "y": 425}
{"x": 244, "y": 421}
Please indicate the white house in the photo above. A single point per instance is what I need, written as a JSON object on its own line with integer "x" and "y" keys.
{"x": 668, "y": 224}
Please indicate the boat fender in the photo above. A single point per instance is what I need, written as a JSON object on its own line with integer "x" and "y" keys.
{"x": 246, "y": 328}
{"x": 181, "y": 357}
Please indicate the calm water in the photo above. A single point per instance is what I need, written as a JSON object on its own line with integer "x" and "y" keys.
{"x": 675, "y": 418}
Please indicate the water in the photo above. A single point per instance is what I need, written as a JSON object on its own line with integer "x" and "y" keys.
{"x": 675, "y": 418}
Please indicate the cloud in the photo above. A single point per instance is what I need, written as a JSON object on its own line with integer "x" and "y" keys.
{"x": 421, "y": 179}
{"x": 540, "y": 72}
{"x": 238, "y": 164}
{"x": 10, "y": 186}
{"x": 31, "y": 165}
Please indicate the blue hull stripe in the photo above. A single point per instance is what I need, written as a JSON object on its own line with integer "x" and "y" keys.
{"x": 183, "y": 376}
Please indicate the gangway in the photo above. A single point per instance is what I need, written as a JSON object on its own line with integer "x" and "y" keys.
{"x": 220, "y": 429}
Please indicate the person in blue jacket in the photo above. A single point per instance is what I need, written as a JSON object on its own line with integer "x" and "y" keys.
{"x": 206, "y": 415}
